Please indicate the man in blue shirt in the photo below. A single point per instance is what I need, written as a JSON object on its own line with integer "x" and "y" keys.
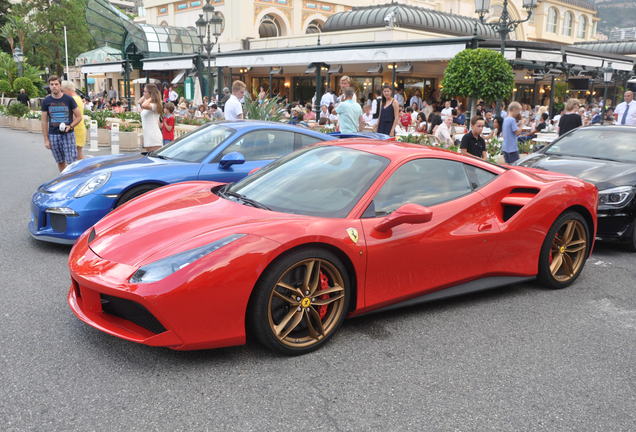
{"x": 349, "y": 112}
{"x": 511, "y": 131}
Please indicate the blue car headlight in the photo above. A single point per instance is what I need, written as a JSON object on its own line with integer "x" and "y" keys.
{"x": 92, "y": 184}
{"x": 162, "y": 268}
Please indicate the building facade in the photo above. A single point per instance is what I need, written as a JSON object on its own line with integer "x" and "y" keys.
{"x": 560, "y": 21}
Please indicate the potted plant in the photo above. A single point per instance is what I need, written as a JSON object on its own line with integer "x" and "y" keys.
{"x": 34, "y": 119}
{"x": 128, "y": 137}
{"x": 4, "y": 118}
{"x": 17, "y": 111}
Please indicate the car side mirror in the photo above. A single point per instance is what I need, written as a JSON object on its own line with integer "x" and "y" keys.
{"x": 233, "y": 158}
{"x": 408, "y": 213}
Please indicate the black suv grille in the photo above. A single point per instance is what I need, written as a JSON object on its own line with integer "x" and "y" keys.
{"x": 131, "y": 311}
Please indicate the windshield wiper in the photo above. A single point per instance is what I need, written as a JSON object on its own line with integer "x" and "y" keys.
{"x": 243, "y": 198}
{"x": 159, "y": 156}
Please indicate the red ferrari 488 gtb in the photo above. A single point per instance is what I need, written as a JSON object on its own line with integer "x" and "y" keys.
{"x": 330, "y": 231}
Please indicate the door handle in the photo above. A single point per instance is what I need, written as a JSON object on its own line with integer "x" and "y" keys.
{"x": 484, "y": 227}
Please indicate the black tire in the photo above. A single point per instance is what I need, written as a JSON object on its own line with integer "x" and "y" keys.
{"x": 553, "y": 249}
{"x": 631, "y": 245}
{"x": 267, "y": 311}
{"x": 134, "y": 193}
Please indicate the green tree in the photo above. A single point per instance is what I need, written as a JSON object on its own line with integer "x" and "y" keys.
{"x": 5, "y": 88}
{"x": 27, "y": 85}
{"x": 44, "y": 41}
{"x": 4, "y": 12}
{"x": 478, "y": 73}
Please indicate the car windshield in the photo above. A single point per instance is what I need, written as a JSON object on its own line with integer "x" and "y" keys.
{"x": 322, "y": 181}
{"x": 195, "y": 146}
{"x": 606, "y": 143}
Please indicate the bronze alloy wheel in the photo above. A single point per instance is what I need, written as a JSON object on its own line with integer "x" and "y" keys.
{"x": 568, "y": 250}
{"x": 307, "y": 303}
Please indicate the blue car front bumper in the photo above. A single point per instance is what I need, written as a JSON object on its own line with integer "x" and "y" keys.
{"x": 58, "y": 218}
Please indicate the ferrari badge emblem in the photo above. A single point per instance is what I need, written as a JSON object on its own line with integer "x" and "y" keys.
{"x": 353, "y": 234}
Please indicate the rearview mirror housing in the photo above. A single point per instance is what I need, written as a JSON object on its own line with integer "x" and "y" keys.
{"x": 408, "y": 213}
{"x": 233, "y": 158}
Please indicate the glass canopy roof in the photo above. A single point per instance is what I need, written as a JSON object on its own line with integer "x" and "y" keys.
{"x": 109, "y": 26}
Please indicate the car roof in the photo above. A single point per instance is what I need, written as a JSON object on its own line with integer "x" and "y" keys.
{"x": 398, "y": 151}
{"x": 257, "y": 124}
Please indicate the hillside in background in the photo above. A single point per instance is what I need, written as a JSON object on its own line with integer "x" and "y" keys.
{"x": 615, "y": 14}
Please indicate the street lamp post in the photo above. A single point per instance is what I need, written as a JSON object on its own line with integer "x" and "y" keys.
{"x": 208, "y": 26}
{"x": 607, "y": 79}
{"x": 505, "y": 24}
{"x": 18, "y": 57}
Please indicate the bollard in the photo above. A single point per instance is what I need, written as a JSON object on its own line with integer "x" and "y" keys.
{"x": 114, "y": 138}
{"x": 93, "y": 136}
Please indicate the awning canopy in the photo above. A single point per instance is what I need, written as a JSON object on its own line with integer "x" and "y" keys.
{"x": 177, "y": 79}
{"x": 100, "y": 68}
{"x": 169, "y": 63}
{"x": 382, "y": 52}
{"x": 543, "y": 54}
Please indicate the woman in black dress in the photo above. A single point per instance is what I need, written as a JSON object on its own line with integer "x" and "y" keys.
{"x": 571, "y": 119}
{"x": 389, "y": 113}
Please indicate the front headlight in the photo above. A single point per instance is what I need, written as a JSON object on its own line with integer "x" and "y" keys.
{"x": 92, "y": 184}
{"x": 615, "y": 198}
{"x": 158, "y": 270}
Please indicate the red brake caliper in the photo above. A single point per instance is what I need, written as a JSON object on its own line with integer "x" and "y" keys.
{"x": 324, "y": 285}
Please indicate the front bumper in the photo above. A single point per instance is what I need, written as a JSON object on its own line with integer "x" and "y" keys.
{"x": 196, "y": 307}
{"x": 61, "y": 228}
{"x": 615, "y": 226}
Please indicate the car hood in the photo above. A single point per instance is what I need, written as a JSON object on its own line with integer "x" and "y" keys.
{"x": 112, "y": 164}
{"x": 174, "y": 219}
{"x": 603, "y": 173}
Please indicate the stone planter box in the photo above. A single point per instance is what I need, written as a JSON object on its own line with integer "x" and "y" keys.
{"x": 129, "y": 141}
{"x": 35, "y": 125}
{"x": 21, "y": 123}
{"x": 4, "y": 121}
{"x": 103, "y": 137}
{"x": 182, "y": 129}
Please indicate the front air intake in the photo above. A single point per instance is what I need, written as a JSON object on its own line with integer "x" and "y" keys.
{"x": 131, "y": 311}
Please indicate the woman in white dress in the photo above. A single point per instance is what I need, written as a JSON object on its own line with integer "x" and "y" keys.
{"x": 151, "y": 109}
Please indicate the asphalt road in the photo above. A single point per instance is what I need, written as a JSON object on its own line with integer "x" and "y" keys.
{"x": 511, "y": 359}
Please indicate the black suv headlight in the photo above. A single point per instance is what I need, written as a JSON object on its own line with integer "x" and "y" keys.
{"x": 615, "y": 198}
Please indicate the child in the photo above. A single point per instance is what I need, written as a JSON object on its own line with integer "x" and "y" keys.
{"x": 167, "y": 123}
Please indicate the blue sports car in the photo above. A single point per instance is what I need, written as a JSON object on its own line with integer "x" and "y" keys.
{"x": 88, "y": 189}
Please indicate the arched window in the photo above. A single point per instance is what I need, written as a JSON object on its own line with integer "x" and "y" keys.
{"x": 315, "y": 26}
{"x": 270, "y": 27}
{"x": 567, "y": 23}
{"x": 582, "y": 27}
{"x": 553, "y": 19}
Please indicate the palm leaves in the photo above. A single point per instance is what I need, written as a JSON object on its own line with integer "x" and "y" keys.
{"x": 268, "y": 109}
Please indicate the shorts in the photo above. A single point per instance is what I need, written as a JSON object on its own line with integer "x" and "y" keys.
{"x": 166, "y": 141}
{"x": 511, "y": 157}
{"x": 63, "y": 147}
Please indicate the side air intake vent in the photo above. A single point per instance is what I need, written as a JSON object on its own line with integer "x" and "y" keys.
{"x": 521, "y": 190}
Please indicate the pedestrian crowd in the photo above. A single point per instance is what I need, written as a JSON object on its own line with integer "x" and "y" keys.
{"x": 388, "y": 111}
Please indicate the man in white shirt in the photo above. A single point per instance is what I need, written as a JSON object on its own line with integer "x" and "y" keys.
{"x": 327, "y": 98}
{"x": 399, "y": 97}
{"x": 448, "y": 109}
{"x": 233, "y": 107}
{"x": 625, "y": 112}
{"x": 443, "y": 131}
{"x": 416, "y": 99}
{"x": 173, "y": 96}
{"x": 369, "y": 121}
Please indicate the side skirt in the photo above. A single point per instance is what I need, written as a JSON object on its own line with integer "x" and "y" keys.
{"x": 457, "y": 290}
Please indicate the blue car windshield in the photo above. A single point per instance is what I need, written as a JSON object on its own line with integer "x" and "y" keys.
{"x": 197, "y": 145}
{"x": 322, "y": 181}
